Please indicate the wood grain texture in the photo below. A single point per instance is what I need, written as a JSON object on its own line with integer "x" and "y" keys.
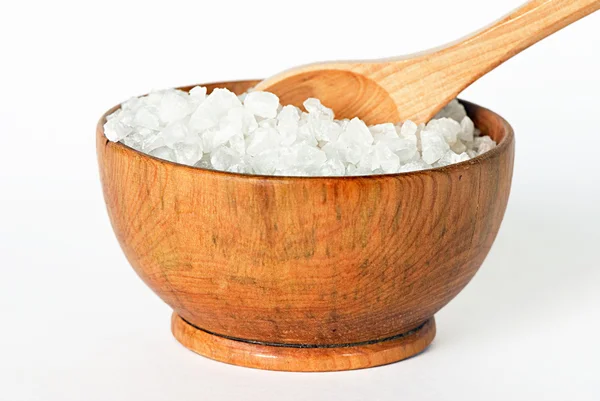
{"x": 316, "y": 359}
{"x": 312, "y": 261}
{"x": 416, "y": 87}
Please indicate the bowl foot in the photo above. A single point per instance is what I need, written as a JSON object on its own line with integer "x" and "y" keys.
{"x": 300, "y": 358}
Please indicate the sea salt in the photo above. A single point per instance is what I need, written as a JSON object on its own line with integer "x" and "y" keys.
{"x": 262, "y": 104}
{"x": 253, "y": 134}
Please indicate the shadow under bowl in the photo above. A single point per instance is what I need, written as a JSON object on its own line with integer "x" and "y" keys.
{"x": 306, "y": 273}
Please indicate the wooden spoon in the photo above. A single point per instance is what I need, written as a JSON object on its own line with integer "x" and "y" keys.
{"x": 416, "y": 87}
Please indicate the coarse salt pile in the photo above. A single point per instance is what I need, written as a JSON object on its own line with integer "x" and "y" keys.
{"x": 252, "y": 133}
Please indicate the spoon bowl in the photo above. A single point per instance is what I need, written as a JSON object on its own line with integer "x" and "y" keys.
{"x": 306, "y": 273}
{"x": 361, "y": 95}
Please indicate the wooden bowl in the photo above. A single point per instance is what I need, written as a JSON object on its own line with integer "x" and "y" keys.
{"x": 306, "y": 274}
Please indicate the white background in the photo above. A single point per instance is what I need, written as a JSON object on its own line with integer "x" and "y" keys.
{"x": 77, "y": 323}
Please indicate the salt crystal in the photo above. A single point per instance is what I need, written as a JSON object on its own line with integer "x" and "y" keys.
{"x": 352, "y": 153}
{"x": 146, "y": 118}
{"x": 332, "y": 167}
{"x": 247, "y": 120}
{"x": 458, "y": 147}
{"x": 135, "y": 141}
{"x": 306, "y": 133}
{"x": 450, "y": 158}
{"x": 174, "y": 132}
{"x": 381, "y": 132}
{"x": 333, "y": 151}
{"x": 268, "y": 123}
{"x": 289, "y": 115}
{"x": 152, "y": 141}
{"x": 351, "y": 169}
{"x": 315, "y": 108}
{"x": 483, "y": 144}
{"x": 453, "y": 110}
{"x": 238, "y": 143}
{"x": 309, "y": 157}
{"x": 198, "y": 93}
{"x": 188, "y": 153}
{"x": 368, "y": 162}
{"x": 266, "y": 162}
{"x": 287, "y": 124}
{"x": 212, "y": 109}
{"x": 414, "y": 166}
{"x": 153, "y": 98}
{"x": 115, "y": 130}
{"x": 333, "y": 131}
{"x": 358, "y": 170}
{"x": 447, "y": 127}
{"x": 386, "y": 159}
{"x": 408, "y": 129}
{"x": 467, "y": 129}
{"x": 406, "y": 148}
{"x": 174, "y": 106}
{"x": 434, "y": 146}
{"x": 204, "y": 162}
{"x": 164, "y": 152}
{"x": 131, "y": 104}
{"x": 202, "y": 120}
{"x": 356, "y": 132}
{"x": 262, "y": 104}
{"x": 420, "y": 129}
{"x": 207, "y": 139}
{"x": 228, "y": 128}
{"x": 241, "y": 168}
{"x": 262, "y": 139}
{"x": 318, "y": 122}
{"x": 224, "y": 158}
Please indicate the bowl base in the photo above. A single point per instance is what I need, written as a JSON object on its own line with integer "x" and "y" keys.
{"x": 303, "y": 358}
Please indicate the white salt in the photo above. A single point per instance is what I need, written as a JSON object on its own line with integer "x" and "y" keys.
{"x": 115, "y": 129}
{"x": 164, "y": 153}
{"x": 385, "y": 159}
{"x": 210, "y": 111}
{"x": 467, "y": 129}
{"x": 433, "y": 145}
{"x": 416, "y": 165}
{"x": 262, "y": 104}
{"x": 357, "y": 132}
{"x": 174, "y": 132}
{"x": 144, "y": 117}
{"x": 225, "y": 158}
{"x": 261, "y": 139}
{"x": 333, "y": 167}
{"x": 449, "y": 128}
{"x": 173, "y": 106}
{"x": 198, "y": 93}
{"x": 287, "y": 124}
{"x": 453, "y": 110}
{"x": 408, "y": 129}
{"x": 483, "y": 144}
{"x": 450, "y": 157}
{"x": 253, "y": 134}
{"x": 188, "y": 153}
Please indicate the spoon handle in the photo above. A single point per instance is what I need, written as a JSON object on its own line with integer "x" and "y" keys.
{"x": 526, "y": 26}
{"x": 454, "y": 67}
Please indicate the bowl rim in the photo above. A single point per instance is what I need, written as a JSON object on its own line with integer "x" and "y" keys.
{"x": 501, "y": 147}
